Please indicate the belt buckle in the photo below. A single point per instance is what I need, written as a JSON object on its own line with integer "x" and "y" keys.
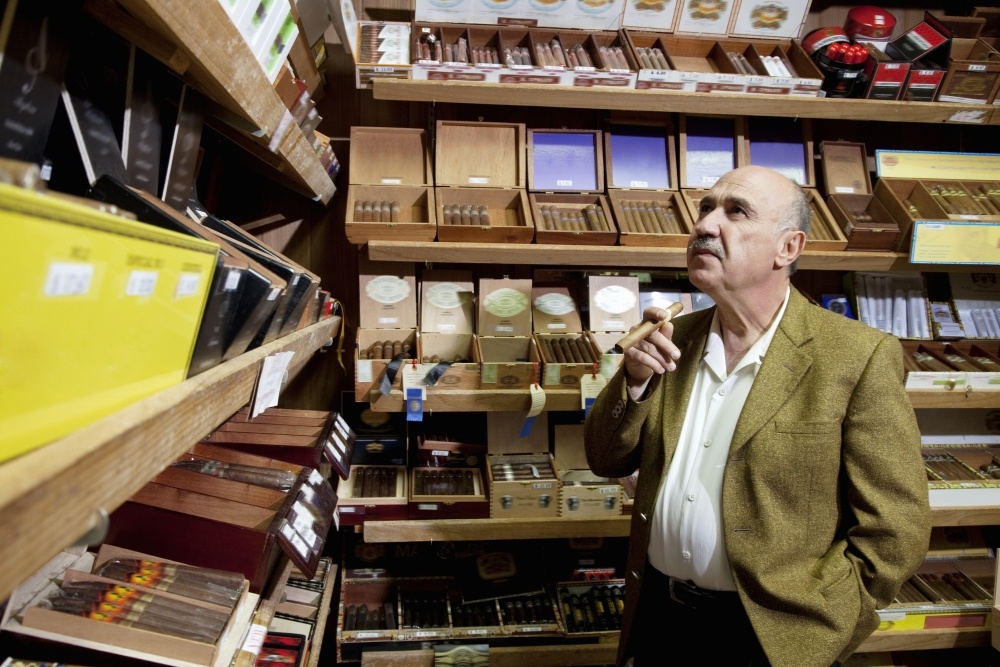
{"x": 673, "y": 594}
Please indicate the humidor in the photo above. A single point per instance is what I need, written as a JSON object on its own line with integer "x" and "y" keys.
{"x": 522, "y": 486}
{"x": 447, "y": 493}
{"x": 614, "y": 308}
{"x": 591, "y": 608}
{"x": 642, "y": 184}
{"x": 480, "y": 177}
{"x": 448, "y": 357}
{"x": 566, "y": 185}
{"x": 508, "y": 354}
{"x": 864, "y": 221}
{"x": 388, "y": 314}
{"x": 582, "y": 494}
{"x": 390, "y": 169}
{"x": 373, "y": 493}
{"x": 567, "y": 352}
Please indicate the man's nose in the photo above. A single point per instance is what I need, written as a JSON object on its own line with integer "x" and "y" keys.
{"x": 709, "y": 223}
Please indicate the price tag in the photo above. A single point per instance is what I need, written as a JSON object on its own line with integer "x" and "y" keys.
{"x": 537, "y": 405}
{"x": 591, "y": 385}
{"x": 564, "y": 183}
{"x": 141, "y": 283}
{"x": 68, "y": 279}
{"x": 255, "y": 639}
{"x": 232, "y": 280}
{"x": 272, "y": 374}
{"x": 187, "y": 284}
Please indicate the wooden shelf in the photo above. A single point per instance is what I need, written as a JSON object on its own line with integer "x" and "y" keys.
{"x": 269, "y": 600}
{"x": 936, "y": 398}
{"x": 541, "y": 95}
{"x": 51, "y": 496}
{"x": 323, "y": 616}
{"x": 920, "y": 640}
{"x": 200, "y": 44}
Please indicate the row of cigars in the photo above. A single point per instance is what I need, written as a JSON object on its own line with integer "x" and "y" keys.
{"x": 630, "y": 184}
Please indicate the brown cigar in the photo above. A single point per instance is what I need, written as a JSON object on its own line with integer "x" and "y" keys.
{"x": 646, "y": 328}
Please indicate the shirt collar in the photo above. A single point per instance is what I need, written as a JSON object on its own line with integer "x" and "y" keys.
{"x": 715, "y": 354}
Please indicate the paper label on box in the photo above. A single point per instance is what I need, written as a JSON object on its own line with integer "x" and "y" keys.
{"x": 315, "y": 479}
{"x": 505, "y": 302}
{"x": 69, "y": 279}
{"x": 479, "y": 180}
{"x": 639, "y": 184}
{"x": 392, "y": 181}
{"x": 187, "y": 284}
{"x": 554, "y": 303}
{"x": 255, "y": 639}
{"x": 552, "y": 374}
{"x": 591, "y": 385}
{"x": 840, "y": 189}
{"x": 141, "y": 283}
{"x": 445, "y": 327}
{"x": 428, "y": 507}
{"x": 387, "y": 289}
{"x": 615, "y": 299}
{"x": 363, "y": 368}
{"x": 564, "y": 183}
{"x": 274, "y": 294}
{"x": 388, "y": 320}
{"x": 232, "y": 280}
{"x": 490, "y": 372}
{"x": 445, "y": 295}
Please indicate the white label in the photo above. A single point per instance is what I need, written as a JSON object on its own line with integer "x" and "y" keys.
{"x": 977, "y": 68}
{"x": 614, "y": 325}
{"x": 385, "y": 70}
{"x": 141, "y": 283}
{"x": 656, "y": 72}
{"x": 445, "y": 295}
{"x": 608, "y": 490}
{"x": 346, "y": 509}
{"x": 430, "y": 507}
{"x": 542, "y": 485}
{"x": 307, "y": 494}
{"x": 530, "y": 628}
{"x": 477, "y": 631}
{"x": 392, "y": 181}
{"x": 309, "y": 536}
{"x": 709, "y": 180}
{"x": 844, "y": 189}
{"x": 363, "y": 368}
{"x": 850, "y": 75}
{"x": 505, "y": 302}
{"x": 425, "y": 633}
{"x": 591, "y": 385}
{"x": 479, "y": 180}
{"x": 367, "y": 635}
{"x": 301, "y": 548}
{"x": 255, "y": 639}
{"x": 187, "y": 284}
{"x": 68, "y": 279}
{"x": 557, "y": 325}
{"x": 387, "y": 289}
{"x": 446, "y": 327}
{"x": 388, "y": 320}
{"x": 638, "y": 184}
{"x": 615, "y": 299}
{"x": 232, "y": 281}
{"x": 303, "y": 520}
{"x": 501, "y": 328}
{"x": 274, "y": 294}
{"x": 564, "y": 183}
{"x": 315, "y": 478}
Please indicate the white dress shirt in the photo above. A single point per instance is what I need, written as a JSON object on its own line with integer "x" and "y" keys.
{"x": 686, "y": 534}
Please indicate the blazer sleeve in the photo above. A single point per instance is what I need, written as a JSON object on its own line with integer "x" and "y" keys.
{"x": 615, "y": 427}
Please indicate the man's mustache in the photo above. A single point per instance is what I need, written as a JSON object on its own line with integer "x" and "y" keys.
{"x": 709, "y": 243}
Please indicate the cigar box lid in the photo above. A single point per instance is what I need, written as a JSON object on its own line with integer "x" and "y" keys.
{"x": 565, "y": 161}
{"x": 338, "y": 445}
{"x": 783, "y": 144}
{"x": 614, "y": 302}
{"x": 388, "y": 295}
{"x": 553, "y": 310}
{"x": 568, "y": 445}
{"x": 390, "y": 156}
{"x": 447, "y": 302}
{"x": 640, "y": 156}
{"x": 471, "y": 154}
{"x": 504, "y": 307}
{"x": 937, "y": 165}
{"x": 845, "y": 168}
{"x": 710, "y": 146}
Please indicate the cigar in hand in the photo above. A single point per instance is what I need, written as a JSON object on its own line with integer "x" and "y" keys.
{"x": 646, "y": 328}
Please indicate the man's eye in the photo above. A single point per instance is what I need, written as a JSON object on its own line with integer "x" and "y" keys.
{"x": 738, "y": 210}
{"x": 705, "y": 208}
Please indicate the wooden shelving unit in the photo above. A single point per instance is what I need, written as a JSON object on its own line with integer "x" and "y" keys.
{"x": 616, "y": 99}
{"x": 269, "y": 600}
{"x": 50, "y": 496}
{"x": 200, "y": 44}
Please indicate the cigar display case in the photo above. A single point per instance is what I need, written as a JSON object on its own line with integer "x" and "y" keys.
{"x": 387, "y": 331}
{"x": 509, "y": 357}
{"x": 373, "y": 493}
{"x": 895, "y": 303}
{"x": 448, "y": 354}
{"x": 582, "y": 494}
{"x": 480, "y": 177}
{"x": 642, "y": 183}
{"x": 447, "y": 493}
{"x": 567, "y": 351}
{"x": 975, "y": 298}
{"x": 522, "y": 485}
{"x": 566, "y": 185}
{"x": 943, "y": 594}
{"x": 391, "y": 193}
{"x": 965, "y": 366}
{"x": 382, "y": 51}
{"x": 455, "y": 52}
{"x": 591, "y": 608}
{"x": 614, "y": 308}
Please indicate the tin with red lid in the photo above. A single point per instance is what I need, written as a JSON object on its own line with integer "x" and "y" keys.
{"x": 820, "y": 38}
{"x": 868, "y": 21}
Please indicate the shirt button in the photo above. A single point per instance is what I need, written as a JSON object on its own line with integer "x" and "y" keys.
{"x": 690, "y": 496}
{"x": 686, "y": 555}
{"x": 708, "y": 443}
{"x": 722, "y": 392}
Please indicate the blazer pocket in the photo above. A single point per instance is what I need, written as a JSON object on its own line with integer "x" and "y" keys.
{"x": 801, "y": 427}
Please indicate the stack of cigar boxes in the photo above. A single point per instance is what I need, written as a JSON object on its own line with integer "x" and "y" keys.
{"x": 520, "y": 472}
{"x": 387, "y": 332}
{"x": 508, "y": 354}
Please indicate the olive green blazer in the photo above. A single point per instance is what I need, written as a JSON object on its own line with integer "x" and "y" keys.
{"x": 824, "y": 495}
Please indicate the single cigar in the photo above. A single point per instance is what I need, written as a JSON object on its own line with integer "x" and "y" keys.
{"x": 647, "y": 221}
{"x": 557, "y": 53}
{"x": 559, "y": 352}
{"x": 484, "y": 216}
{"x": 394, "y": 211}
{"x": 593, "y": 223}
{"x": 474, "y": 215}
{"x": 659, "y": 59}
{"x": 570, "y": 351}
{"x": 628, "y": 216}
{"x": 660, "y": 215}
{"x": 604, "y": 57}
{"x": 644, "y": 60}
{"x": 359, "y": 211}
{"x": 466, "y": 215}
{"x": 367, "y": 213}
{"x": 647, "y": 327}
{"x": 583, "y": 351}
{"x": 571, "y": 58}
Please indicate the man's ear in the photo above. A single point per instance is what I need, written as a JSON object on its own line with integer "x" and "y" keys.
{"x": 793, "y": 242}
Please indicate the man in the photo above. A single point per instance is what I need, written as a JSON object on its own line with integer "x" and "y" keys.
{"x": 782, "y": 497}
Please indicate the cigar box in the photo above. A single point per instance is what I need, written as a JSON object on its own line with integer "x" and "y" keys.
{"x": 508, "y": 354}
{"x": 382, "y": 51}
{"x": 388, "y": 313}
{"x": 380, "y": 437}
{"x": 642, "y": 181}
{"x": 656, "y": 70}
{"x": 441, "y": 451}
{"x": 474, "y": 620}
{"x": 845, "y": 168}
{"x": 824, "y": 232}
{"x": 91, "y": 641}
{"x": 566, "y": 182}
{"x": 709, "y": 146}
{"x": 770, "y": 20}
{"x": 528, "y": 615}
{"x": 975, "y": 297}
{"x": 367, "y": 613}
{"x": 522, "y": 62}
{"x": 919, "y": 41}
{"x": 864, "y": 221}
{"x": 373, "y": 493}
{"x": 614, "y": 308}
{"x": 447, "y": 493}
{"x": 885, "y": 75}
{"x": 652, "y": 15}
{"x": 927, "y": 368}
{"x": 480, "y": 176}
{"x": 610, "y": 60}
{"x": 895, "y": 303}
{"x": 973, "y": 75}
{"x": 452, "y": 52}
{"x": 782, "y": 144}
{"x": 940, "y": 595}
{"x": 567, "y": 352}
{"x": 390, "y": 168}
{"x": 582, "y": 494}
{"x": 135, "y": 296}
{"x": 522, "y": 486}
{"x": 424, "y": 613}
{"x": 446, "y": 344}
{"x": 303, "y": 444}
{"x": 922, "y": 81}
{"x": 591, "y": 608}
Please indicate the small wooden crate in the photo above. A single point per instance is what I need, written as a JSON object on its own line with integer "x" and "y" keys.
{"x": 508, "y": 356}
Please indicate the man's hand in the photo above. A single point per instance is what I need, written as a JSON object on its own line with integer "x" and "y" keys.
{"x": 654, "y": 354}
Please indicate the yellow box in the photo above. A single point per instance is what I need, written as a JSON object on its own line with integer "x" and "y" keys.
{"x": 97, "y": 312}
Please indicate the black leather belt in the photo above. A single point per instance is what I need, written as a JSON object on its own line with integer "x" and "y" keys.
{"x": 686, "y": 593}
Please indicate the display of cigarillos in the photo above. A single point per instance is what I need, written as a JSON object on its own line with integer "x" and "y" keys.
{"x": 976, "y": 300}
{"x": 214, "y": 586}
{"x": 592, "y": 606}
{"x": 894, "y": 303}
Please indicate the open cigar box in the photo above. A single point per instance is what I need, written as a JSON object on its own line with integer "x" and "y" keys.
{"x": 367, "y": 613}
{"x": 642, "y": 183}
{"x": 447, "y": 493}
{"x": 614, "y": 308}
{"x": 862, "y": 218}
{"x": 480, "y": 175}
{"x": 447, "y": 352}
{"x": 231, "y": 523}
{"x": 391, "y": 193}
{"x": 566, "y": 185}
{"x": 455, "y": 52}
{"x": 582, "y": 494}
{"x": 93, "y": 639}
{"x": 567, "y": 352}
{"x": 387, "y": 334}
{"x": 591, "y": 608}
{"x": 710, "y": 146}
{"x": 508, "y": 354}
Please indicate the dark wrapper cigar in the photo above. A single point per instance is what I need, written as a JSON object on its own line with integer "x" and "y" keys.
{"x": 646, "y": 328}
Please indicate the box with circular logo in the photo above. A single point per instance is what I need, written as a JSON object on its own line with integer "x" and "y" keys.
{"x": 582, "y": 494}
{"x": 522, "y": 486}
{"x": 387, "y": 334}
{"x": 448, "y": 357}
{"x": 614, "y": 308}
{"x": 567, "y": 352}
{"x": 508, "y": 354}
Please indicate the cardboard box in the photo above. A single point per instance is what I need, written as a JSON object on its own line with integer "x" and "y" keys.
{"x": 480, "y": 175}
{"x": 710, "y": 146}
{"x": 390, "y": 165}
{"x": 864, "y": 221}
{"x": 566, "y": 182}
{"x": 447, "y": 493}
{"x": 582, "y": 494}
{"x": 917, "y": 42}
{"x": 508, "y": 354}
{"x": 922, "y": 82}
{"x": 885, "y": 75}
{"x": 388, "y": 295}
{"x": 522, "y": 486}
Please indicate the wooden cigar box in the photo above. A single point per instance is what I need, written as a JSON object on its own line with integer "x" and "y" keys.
{"x": 614, "y": 308}
{"x": 642, "y": 180}
{"x": 941, "y": 595}
{"x": 566, "y": 182}
{"x": 582, "y": 494}
{"x": 520, "y": 61}
{"x": 567, "y": 352}
{"x": 388, "y": 294}
{"x": 367, "y": 614}
{"x": 528, "y": 615}
{"x": 928, "y": 368}
{"x": 522, "y": 485}
{"x": 845, "y": 168}
{"x": 611, "y": 63}
{"x": 90, "y": 640}
{"x": 782, "y": 144}
{"x": 424, "y": 608}
{"x": 454, "y": 52}
{"x": 480, "y": 177}
{"x": 447, "y": 353}
{"x": 508, "y": 354}
{"x": 973, "y": 72}
{"x": 824, "y": 232}
{"x": 649, "y": 52}
{"x": 474, "y": 620}
{"x": 710, "y": 146}
{"x": 381, "y": 49}
{"x": 372, "y": 493}
{"x": 864, "y": 221}
{"x": 447, "y": 493}
{"x": 591, "y": 608}
{"x": 302, "y": 444}
{"x": 390, "y": 166}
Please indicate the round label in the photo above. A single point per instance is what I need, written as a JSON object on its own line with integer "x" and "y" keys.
{"x": 505, "y": 302}
{"x": 387, "y": 289}
{"x": 554, "y": 303}
{"x": 615, "y": 299}
{"x": 445, "y": 295}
